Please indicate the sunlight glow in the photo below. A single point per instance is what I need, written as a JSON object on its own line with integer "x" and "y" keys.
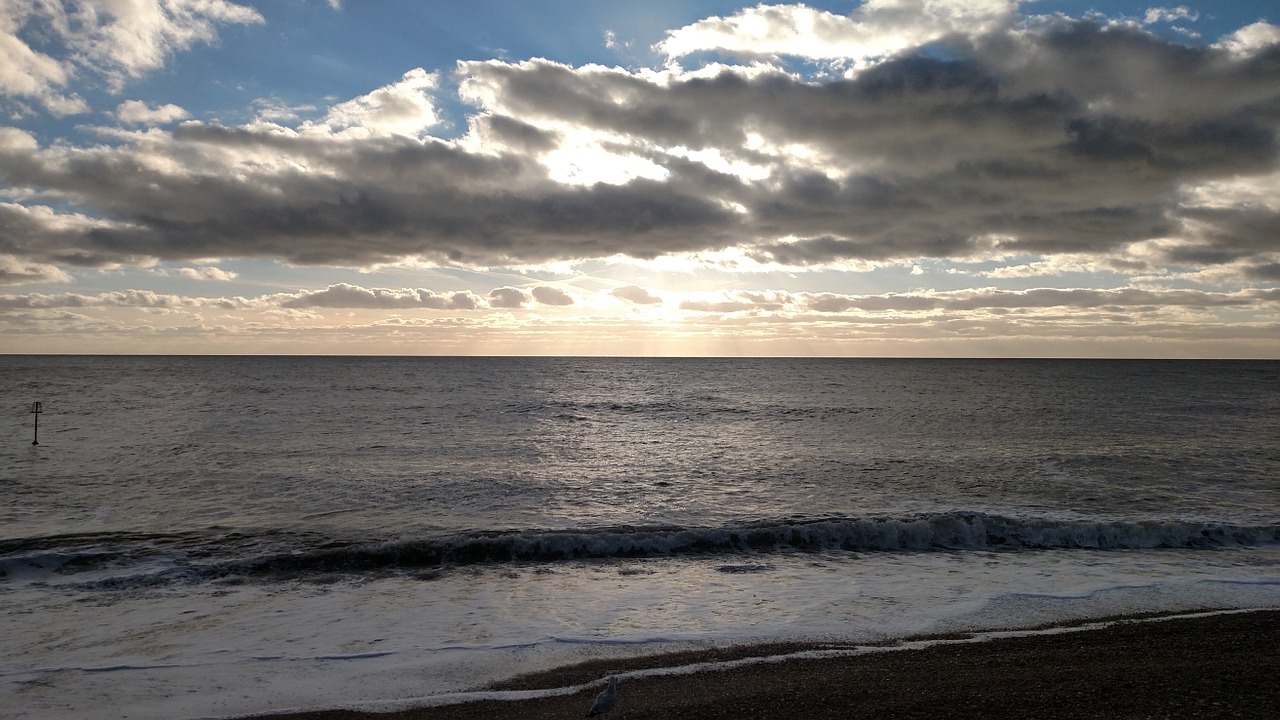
{"x": 582, "y": 159}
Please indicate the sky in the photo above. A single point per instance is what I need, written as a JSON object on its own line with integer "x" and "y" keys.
{"x": 952, "y": 178}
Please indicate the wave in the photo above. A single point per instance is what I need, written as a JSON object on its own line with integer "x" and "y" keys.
{"x": 285, "y": 555}
{"x": 935, "y": 531}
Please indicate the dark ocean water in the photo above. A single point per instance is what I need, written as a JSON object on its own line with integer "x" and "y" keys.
{"x": 371, "y": 462}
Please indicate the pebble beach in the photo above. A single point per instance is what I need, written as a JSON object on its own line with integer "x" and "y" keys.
{"x": 1199, "y": 665}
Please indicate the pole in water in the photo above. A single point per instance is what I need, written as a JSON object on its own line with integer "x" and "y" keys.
{"x": 35, "y": 435}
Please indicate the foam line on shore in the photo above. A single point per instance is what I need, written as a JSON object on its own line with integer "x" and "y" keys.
{"x": 976, "y": 637}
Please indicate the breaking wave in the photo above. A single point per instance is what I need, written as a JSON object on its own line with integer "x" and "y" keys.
{"x": 132, "y": 559}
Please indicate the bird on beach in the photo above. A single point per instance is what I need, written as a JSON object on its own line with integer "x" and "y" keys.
{"x": 606, "y": 699}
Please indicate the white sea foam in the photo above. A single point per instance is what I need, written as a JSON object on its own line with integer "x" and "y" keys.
{"x": 197, "y": 651}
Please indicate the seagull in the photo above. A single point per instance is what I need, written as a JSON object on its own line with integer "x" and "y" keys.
{"x": 605, "y": 700}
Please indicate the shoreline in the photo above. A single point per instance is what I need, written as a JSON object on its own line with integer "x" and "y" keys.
{"x": 1211, "y": 664}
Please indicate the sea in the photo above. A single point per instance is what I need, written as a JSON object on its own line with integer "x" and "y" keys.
{"x": 207, "y": 537}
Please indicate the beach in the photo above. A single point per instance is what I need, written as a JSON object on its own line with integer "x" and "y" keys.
{"x": 1212, "y": 665}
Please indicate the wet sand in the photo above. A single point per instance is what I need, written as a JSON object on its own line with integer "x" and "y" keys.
{"x": 1220, "y": 666}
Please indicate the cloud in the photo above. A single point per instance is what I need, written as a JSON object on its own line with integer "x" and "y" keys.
{"x": 122, "y": 298}
{"x": 401, "y": 108}
{"x": 343, "y": 295}
{"x": 740, "y": 301}
{"x": 14, "y": 271}
{"x": 1251, "y": 40}
{"x": 207, "y": 273}
{"x": 1004, "y": 136}
{"x": 612, "y": 42}
{"x": 551, "y": 296}
{"x": 273, "y": 110}
{"x": 1166, "y": 14}
{"x": 115, "y": 41}
{"x": 136, "y": 112}
{"x": 636, "y": 294}
{"x": 26, "y": 72}
{"x": 258, "y": 192}
{"x": 338, "y": 296}
{"x": 1040, "y": 321}
{"x": 982, "y": 300}
{"x": 1041, "y": 298}
{"x": 508, "y": 297}
{"x": 876, "y": 29}
{"x": 39, "y": 234}
{"x": 126, "y": 41}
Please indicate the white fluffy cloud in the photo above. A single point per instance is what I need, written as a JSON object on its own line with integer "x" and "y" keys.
{"x": 403, "y": 108}
{"x": 207, "y": 273}
{"x": 136, "y": 112}
{"x": 115, "y": 41}
{"x": 124, "y": 41}
{"x": 25, "y": 72}
{"x": 876, "y": 29}
{"x": 1167, "y": 14}
{"x": 1251, "y": 40}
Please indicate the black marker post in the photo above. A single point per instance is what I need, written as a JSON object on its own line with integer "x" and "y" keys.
{"x": 35, "y": 434}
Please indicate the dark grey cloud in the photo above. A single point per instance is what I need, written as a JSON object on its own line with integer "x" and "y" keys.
{"x": 377, "y": 200}
{"x": 1229, "y": 234}
{"x": 510, "y": 132}
{"x": 1264, "y": 272}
